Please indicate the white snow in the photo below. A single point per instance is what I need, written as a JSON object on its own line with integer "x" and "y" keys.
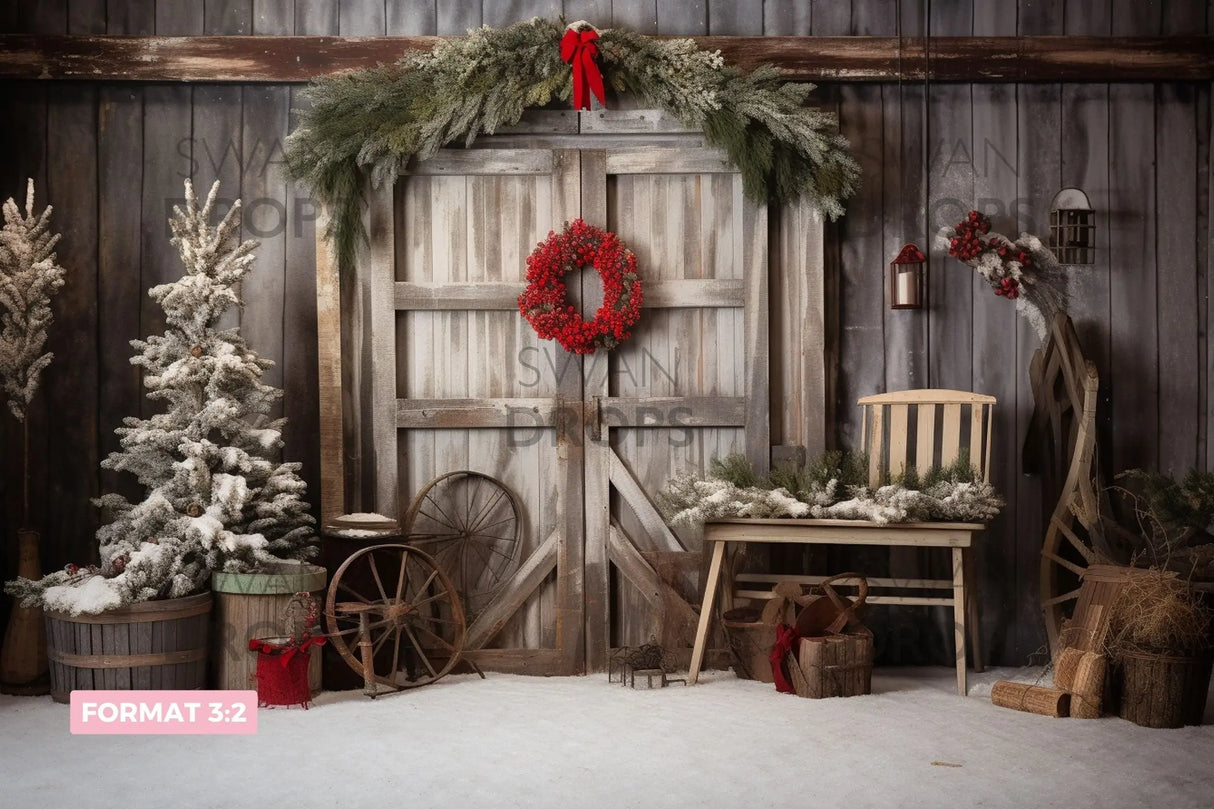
{"x": 512, "y": 741}
{"x": 97, "y": 594}
{"x": 364, "y": 516}
{"x": 360, "y": 533}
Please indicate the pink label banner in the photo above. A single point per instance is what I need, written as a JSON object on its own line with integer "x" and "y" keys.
{"x": 164, "y": 712}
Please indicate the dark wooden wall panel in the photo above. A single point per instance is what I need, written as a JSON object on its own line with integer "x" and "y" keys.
{"x": 1176, "y": 173}
{"x": 317, "y": 17}
{"x": 639, "y": 15}
{"x": 412, "y": 17}
{"x": 1039, "y": 171}
{"x": 362, "y": 18}
{"x": 301, "y": 434}
{"x": 72, "y": 445}
{"x": 995, "y": 166}
{"x": 458, "y": 18}
{"x": 1085, "y": 164}
{"x": 120, "y": 290}
{"x": 112, "y": 158}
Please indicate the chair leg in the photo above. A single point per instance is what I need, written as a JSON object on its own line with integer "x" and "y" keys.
{"x": 959, "y": 615}
{"x": 971, "y": 608}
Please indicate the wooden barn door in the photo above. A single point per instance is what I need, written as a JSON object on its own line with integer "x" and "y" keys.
{"x": 455, "y": 379}
{"x": 690, "y": 385}
{"x": 477, "y": 390}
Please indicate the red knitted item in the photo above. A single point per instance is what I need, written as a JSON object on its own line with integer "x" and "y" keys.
{"x": 282, "y": 672}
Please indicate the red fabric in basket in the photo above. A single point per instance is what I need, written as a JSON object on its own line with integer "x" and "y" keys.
{"x": 282, "y": 672}
{"x": 786, "y": 639}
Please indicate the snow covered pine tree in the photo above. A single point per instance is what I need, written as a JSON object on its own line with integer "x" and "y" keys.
{"x": 215, "y": 499}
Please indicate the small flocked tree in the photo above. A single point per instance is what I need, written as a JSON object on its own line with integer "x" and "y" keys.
{"x": 29, "y": 278}
{"x": 215, "y": 497}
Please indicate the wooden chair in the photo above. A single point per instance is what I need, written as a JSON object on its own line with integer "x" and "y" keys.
{"x": 922, "y": 429}
{"x": 913, "y": 428}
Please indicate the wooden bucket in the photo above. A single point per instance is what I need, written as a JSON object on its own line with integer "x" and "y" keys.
{"x": 750, "y": 643}
{"x": 833, "y": 665}
{"x": 251, "y": 605}
{"x": 158, "y": 645}
{"x": 1160, "y": 691}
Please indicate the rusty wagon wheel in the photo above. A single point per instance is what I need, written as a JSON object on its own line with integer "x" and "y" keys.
{"x": 472, "y": 525}
{"x": 394, "y": 617}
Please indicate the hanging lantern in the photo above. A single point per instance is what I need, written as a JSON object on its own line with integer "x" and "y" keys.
{"x": 907, "y": 279}
{"x": 1073, "y": 227}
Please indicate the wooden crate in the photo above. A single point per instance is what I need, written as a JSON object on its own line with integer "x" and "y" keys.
{"x": 833, "y": 665}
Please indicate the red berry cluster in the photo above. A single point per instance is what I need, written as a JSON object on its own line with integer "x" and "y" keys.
{"x": 545, "y": 303}
{"x": 1008, "y": 288}
{"x": 967, "y": 244}
{"x": 970, "y": 241}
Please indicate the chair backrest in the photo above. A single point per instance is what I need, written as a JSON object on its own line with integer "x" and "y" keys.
{"x": 924, "y": 429}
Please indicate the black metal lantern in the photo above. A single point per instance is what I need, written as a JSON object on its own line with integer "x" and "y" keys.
{"x": 907, "y": 279}
{"x": 1073, "y": 227}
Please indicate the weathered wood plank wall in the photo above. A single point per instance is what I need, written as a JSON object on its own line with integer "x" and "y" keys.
{"x": 111, "y": 158}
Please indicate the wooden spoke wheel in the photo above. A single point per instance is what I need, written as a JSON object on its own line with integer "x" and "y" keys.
{"x": 394, "y": 617}
{"x": 1066, "y": 555}
{"x": 1063, "y": 428}
{"x": 472, "y": 525}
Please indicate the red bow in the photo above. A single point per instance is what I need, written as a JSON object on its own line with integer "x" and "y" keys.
{"x": 579, "y": 50}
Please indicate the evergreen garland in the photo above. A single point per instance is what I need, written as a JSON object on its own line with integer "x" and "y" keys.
{"x": 364, "y": 126}
{"x": 832, "y": 487}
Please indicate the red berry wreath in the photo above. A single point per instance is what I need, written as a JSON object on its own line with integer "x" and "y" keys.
{"x": 545, "y": 302}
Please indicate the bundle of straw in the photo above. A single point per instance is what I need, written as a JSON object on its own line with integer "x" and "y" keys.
{"x": 1158, "y": 613}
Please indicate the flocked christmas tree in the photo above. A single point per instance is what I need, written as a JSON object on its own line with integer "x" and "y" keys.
{"x": 215, "y": 497}
{"x": 29, "y": 277}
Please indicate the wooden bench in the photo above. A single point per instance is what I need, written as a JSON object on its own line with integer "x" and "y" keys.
{"x": 920, "y": 428}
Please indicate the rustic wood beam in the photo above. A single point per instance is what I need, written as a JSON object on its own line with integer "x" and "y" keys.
{"x": 837, "y": 59}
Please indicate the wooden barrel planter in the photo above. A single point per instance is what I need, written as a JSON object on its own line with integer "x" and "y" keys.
{"x": 158, "y": 645}
{"x": 251, "y": 605}
{"x": 1160, "y": 691}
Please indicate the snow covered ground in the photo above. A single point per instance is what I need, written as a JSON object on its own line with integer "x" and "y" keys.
{"x": 510, "y": 741}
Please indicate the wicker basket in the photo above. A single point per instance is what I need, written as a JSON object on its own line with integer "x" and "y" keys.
{"x": 1161, "y": 691}
{"x": 750, "y": 642}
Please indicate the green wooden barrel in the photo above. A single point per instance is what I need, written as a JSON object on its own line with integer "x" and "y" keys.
{"x": 251, "y": 605}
